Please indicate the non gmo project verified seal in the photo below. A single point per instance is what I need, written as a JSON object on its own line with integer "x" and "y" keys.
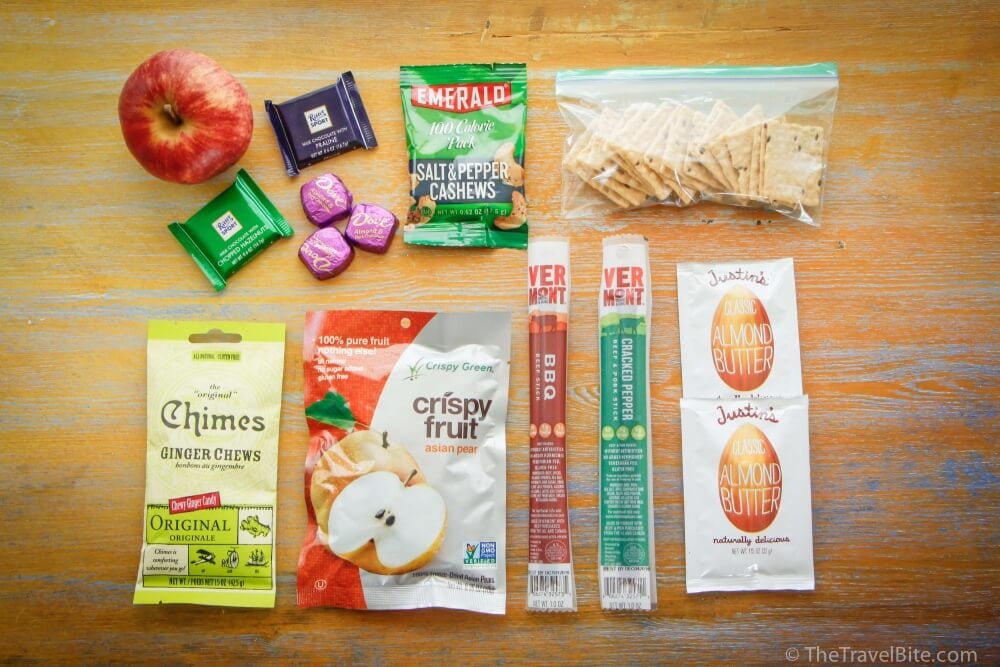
{"x": 481, "y": 554}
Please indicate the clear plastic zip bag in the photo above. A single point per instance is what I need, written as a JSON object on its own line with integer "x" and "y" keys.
{"x": 754, "y": 137}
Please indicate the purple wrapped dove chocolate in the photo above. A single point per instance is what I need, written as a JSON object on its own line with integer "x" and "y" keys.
{"x": 371, "y": 228}
{"x": 326, "y": 199}
{"x": 326, "y": 253}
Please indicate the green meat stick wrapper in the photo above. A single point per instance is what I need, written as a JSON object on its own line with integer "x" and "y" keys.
{"x": 231, "y": 230}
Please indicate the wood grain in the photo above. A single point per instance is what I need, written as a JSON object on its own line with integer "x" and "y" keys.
{"x": 897, "y": 296}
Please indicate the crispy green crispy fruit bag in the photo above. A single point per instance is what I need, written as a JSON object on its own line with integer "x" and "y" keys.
{"x": 465, "y": 136}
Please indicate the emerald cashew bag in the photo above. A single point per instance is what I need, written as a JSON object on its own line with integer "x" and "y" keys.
{"x": 465, "y": 136}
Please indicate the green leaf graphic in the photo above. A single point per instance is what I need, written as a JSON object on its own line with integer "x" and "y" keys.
{"x": 332, "y": 409}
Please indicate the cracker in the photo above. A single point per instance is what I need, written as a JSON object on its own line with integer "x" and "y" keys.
{"x": 655, "y": 128}
{"x": 623, "y": 174}
{"x": 793, "y": 164}
{"x": 761, "y": 144}
{"x": 615, "y": 176}
{"x": 622, "y": 144}
{"x": 680, "y": 134}
{"x": 593, "y": 154}
{"x": 587, "y": 176}
{"x": 723, "y": 152}
{"x": 603, "y": 128}
{"x": 608, "y": 181}
{"x": 624, "y": 188}
{"x": 739, "y": 141}
{"x": 672, "y": 152}
{"x": 652, "y": 158}
{"x": 593, "y": 164}
{"x": 573, "y": 160}
{"x": 690, "y": 181}
{"x": 703, "y": 163}
{"x": 753, "y": 180}
{"x": 740, "y": 146}
{"x": 720, "y": 154}
{"x": 693, "y": 162}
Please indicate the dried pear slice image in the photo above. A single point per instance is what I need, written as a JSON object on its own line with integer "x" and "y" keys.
{"x": 384, "y": 526}
{"x": 358, "y": 453}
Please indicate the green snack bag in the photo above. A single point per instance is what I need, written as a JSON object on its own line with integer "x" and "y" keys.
{"x": 231, "y": 230}
{"x": 213, "y": 410}
{"x": 465, "y": 135}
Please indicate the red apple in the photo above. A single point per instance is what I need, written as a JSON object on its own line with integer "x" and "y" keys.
{"x": 184, "y": 117}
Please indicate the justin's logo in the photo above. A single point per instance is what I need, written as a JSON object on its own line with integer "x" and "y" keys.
{"x": 461, "y": 98}
{"x": 739, "y": 274}
{"x": 747, "y": 411}
{"x": 624, "y": 286}
{"x": 547, "y": 284}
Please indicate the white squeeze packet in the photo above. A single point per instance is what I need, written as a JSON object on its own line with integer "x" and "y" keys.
{"x": 739, "y": 329}
{"x": 747, "y": 498}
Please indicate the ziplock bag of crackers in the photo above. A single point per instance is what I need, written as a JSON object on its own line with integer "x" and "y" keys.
{"x": 213, "y": 411}
{"x": 754, "y": 137}
{"x": 465, "y": 137}
{"x": 405, "y": 476}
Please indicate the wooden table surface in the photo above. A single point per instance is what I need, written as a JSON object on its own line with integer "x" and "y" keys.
{"x": 897, "y": 297}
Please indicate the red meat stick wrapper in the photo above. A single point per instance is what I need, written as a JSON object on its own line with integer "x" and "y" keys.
{"x": 551, "y": 585}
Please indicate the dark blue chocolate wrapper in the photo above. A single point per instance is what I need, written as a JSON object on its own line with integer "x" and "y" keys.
{"x": 321, "y": 124}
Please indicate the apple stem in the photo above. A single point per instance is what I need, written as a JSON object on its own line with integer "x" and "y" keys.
{"x": 385, "y": 440}
{"x": 172, "y": 114}
{"x": 408, "y": 479}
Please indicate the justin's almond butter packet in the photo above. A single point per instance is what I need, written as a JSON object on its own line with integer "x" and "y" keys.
{"x": 747, "y": 499}
{"x": 739, "y": 329}
{"x": 405, "y": 475}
